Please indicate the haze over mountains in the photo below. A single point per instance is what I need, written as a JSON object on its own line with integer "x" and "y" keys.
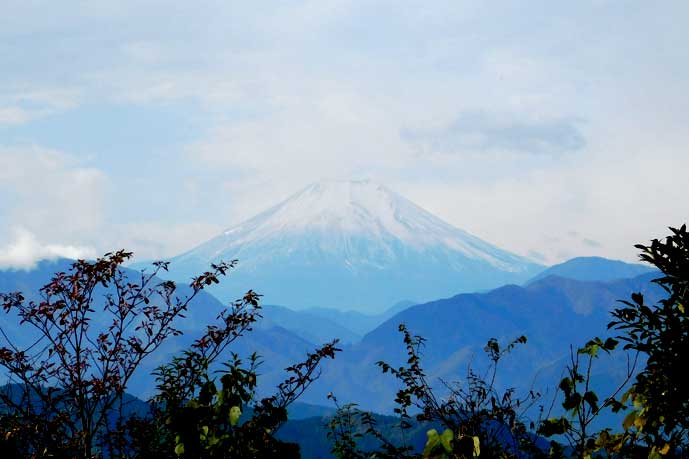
{"x": 339, "y": 246}
{"x": 553, "y": 313}
{"x": 456, "y": 330}
{"x": 594, "y": 269}
{"x": 353, "y": 245}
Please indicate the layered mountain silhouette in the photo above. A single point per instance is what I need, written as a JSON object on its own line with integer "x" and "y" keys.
{"x": 554, "y": 314}
{"x": 353, "y": 245}
{"x": 594, "y": 269}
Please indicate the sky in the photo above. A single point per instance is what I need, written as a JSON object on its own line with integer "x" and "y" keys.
{"x": 550, "y": 129}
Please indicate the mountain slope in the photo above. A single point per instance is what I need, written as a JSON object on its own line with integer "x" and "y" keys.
{"x": 353, "y": 245}
{"x": 312, "y": 327}
{"x": 360, "y": 323}
{"x": 553, "y": 313}
{"x": 594, "y": 269}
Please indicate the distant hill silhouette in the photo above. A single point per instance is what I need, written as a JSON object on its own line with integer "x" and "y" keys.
{"x": 594, "y": 269}
{"x": 553, "y": 313}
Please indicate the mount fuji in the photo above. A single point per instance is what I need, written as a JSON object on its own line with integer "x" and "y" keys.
{"x": 351, "y": 245}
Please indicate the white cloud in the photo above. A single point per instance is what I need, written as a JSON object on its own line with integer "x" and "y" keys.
{"x": 14, "y": 115}
{"x": 20, "y": 106}
{"x": 52, "y": 194}
{"x": 292, "y": 93}
{"x": 615, "y": 194}
{"x": 150, "y": 241}
{"x": 484, "y": 132}
{"x": 25, "y": 250}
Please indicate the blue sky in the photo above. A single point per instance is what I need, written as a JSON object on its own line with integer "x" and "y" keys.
{"x": 552, "y": 129}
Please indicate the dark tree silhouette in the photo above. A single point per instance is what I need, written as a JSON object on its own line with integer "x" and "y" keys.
{"x": 94, "y": 326}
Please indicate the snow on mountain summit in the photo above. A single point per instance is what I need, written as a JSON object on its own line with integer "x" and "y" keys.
{"x": 354, "y": 208}
{"x": 350, "y": 207}
{"x": 358, "y": 207}
{"x": 339, "y": 232}
{"x": 334, "y": 212}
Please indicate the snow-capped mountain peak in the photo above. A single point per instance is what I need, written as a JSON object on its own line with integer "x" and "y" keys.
{"x": 360, "y": 229}
{"x": 333, "y": 210}
{"x": 346, "y": 207}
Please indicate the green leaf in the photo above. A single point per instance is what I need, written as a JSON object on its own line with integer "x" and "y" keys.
{"x": 566, "y": 386}
{"x": 432, "y": 441}
{"x": 629, "y": 420}
{"x": 193, "y": 403}
{"x": 591, "y": 347}
{"x": 477, "y": 447}
{"x": 492, "y": 347}
{"x": 235, "y": 413}
{"x": 610, "y": 344}
{"x": 553, "y": 426}
{"x": 446, "y": 439}
{"x": 592, "y": 399}
{"x": 572, "y": 402}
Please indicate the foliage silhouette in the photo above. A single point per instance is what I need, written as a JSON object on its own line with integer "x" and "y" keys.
{"x": 67, "y": 387}
{"x": 659, "y": 420}
{"x": 656, "y": 427}
{"x": 583, "y": 405}
{"x": 67, "y": 391}
{"x": 475, "y": 417}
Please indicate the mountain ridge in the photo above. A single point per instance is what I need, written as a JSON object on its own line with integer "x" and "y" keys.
{"x": 457, "y": 328}
{"x": 593, "y": 269}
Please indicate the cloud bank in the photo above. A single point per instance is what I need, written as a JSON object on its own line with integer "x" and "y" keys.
{"x": 24, "y": 251}
{"x": 148, "y": 126}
